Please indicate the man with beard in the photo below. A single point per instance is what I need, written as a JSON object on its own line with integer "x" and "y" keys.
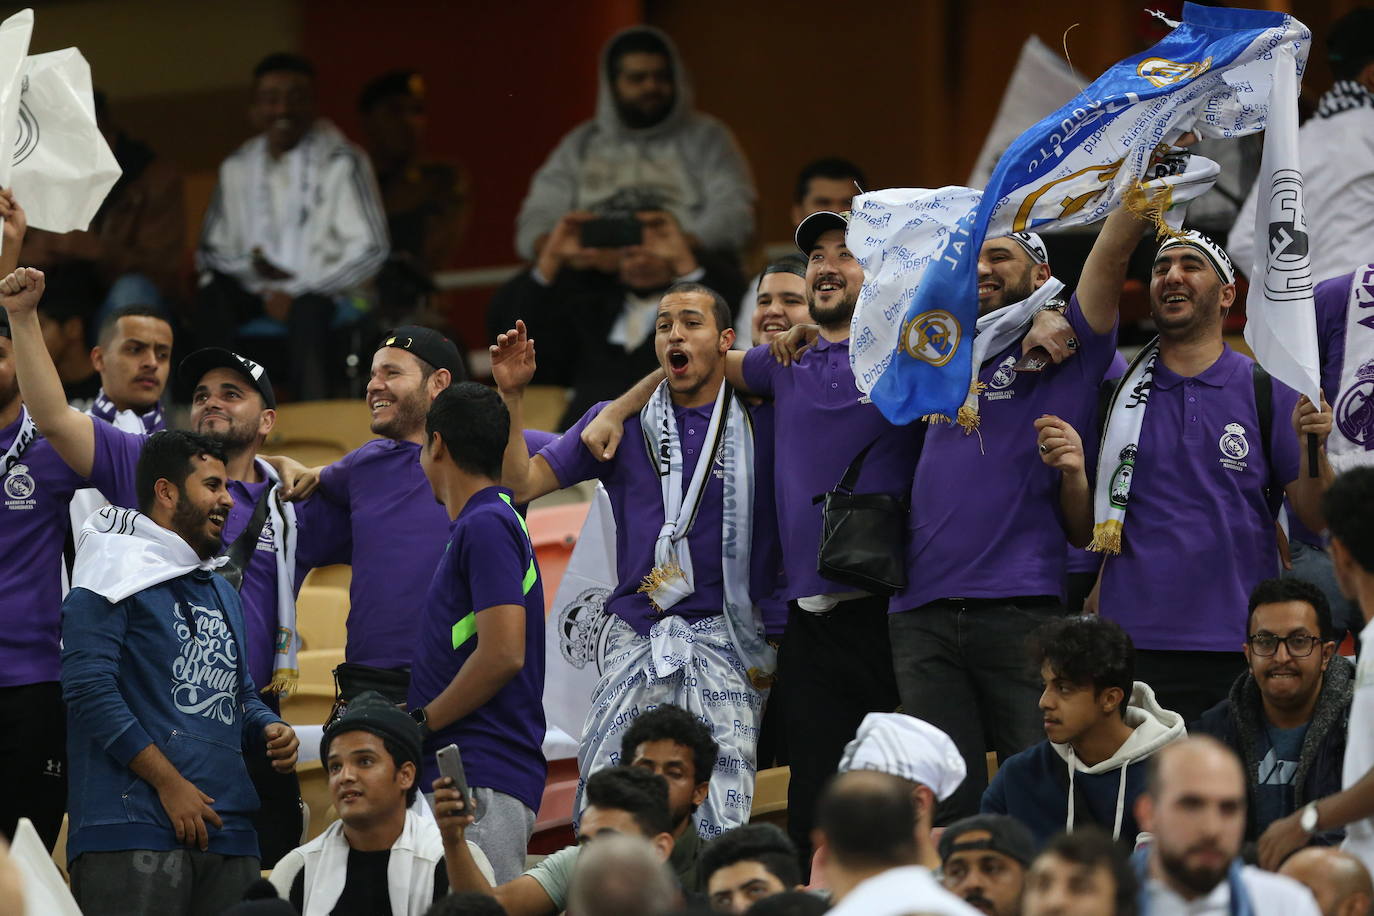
{"x": 984, "y": 860}
{"x": 162, "y": 709}
{"x": 1194, "y": 807}
{"x": 1189, "y": 445}
{"x": 645, "y": 137}
{"x": 233, "y": 405}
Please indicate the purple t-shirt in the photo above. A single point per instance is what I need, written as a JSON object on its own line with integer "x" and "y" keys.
{"x": 821, "y": 422}
{"x": 985, "y": 517}
{"x": 1081, "y": 559}
{"x": 487, "y": 562}
{"x": 34, "y": 524}
{"x": 632, "y": 483}
{"x": 397, "y": 533}
{"x": 770, "y": 582}
{"x": 1198, "y": 534}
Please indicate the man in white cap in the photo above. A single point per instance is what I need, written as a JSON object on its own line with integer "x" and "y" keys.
{"x": 917, "y": 753}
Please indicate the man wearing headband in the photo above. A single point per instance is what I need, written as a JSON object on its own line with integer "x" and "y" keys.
{"x": 985, "y": 860}
{"x": 986, "y": 538}
{"x": 1185, "y": 445}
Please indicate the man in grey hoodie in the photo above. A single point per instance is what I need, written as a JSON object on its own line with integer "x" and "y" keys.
{"x": 1100, "y": 724}
{"x": 645, "y": 137}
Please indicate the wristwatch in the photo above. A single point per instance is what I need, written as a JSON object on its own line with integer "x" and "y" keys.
{"x": 1307, "y": 820}
{"x": 421, "y": 717}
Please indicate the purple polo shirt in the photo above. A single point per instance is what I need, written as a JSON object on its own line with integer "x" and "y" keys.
{"x": 487, "y": 561}
{"x": 258, "y": 591}
{"x": 35, "y": 499}
{"x": 821, "y": 422}
{"x": 397, "y": 532}
{"x": 985, "y": 519}
{"x": 632, "y": 483}
{"x": 1198, "y": 534}
{"x": 1082, "y": 560}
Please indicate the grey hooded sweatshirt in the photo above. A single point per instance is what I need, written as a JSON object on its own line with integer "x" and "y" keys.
{"x": 689, "y": 160}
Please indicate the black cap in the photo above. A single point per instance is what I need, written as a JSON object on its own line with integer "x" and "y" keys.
{"x": 391, "y": 84}
{"x": 429, "y": 345}
{"x": 816, "y": 225}
{"x": 194, "y": 367}
{"x": 1006, "y": 835}
{"x": 371, "y": 712}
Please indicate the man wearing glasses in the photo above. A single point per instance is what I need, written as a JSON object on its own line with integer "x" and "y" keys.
{"x": 1286, "y": 715}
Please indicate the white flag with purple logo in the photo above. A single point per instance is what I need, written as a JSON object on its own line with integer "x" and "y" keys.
{"x": 1281, "y": 318}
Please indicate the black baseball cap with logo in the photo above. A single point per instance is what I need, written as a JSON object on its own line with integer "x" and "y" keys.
{"x": 429, "y": 345}
{"x": 816, "y": 225}
{"x": 195, "y": 365}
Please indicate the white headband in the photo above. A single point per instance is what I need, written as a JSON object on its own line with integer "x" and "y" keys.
{"x": 1214, "y": 253}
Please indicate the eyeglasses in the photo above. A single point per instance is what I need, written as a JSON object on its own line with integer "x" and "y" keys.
{"x": 1299, "y": 645}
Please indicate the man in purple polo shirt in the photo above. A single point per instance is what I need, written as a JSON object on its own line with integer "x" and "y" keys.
{"x": 384, "y": 520}
{"x": 985, "y": 546}
{"x": 478, "y": 675}
{"x": 1186, "y": 483}
{"x": 232, "y": 403}
{"x": 690, "y": 561}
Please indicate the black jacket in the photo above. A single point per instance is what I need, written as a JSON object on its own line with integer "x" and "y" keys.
{"x": 1238, "y": 722}
{"x": 570, "y": 321}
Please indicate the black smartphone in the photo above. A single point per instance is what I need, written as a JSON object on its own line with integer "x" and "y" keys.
{"x": 451, "y": 765}
{"x": 618, "y": 232}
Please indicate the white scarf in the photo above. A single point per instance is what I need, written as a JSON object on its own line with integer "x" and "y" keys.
{"x": 284, "y": 243}
{"x": 994, "y": 332}
{"x": 285, "y": 670}
{"x": 409, "y": 870}
{"x": 22, "y": 440}
{"x": 1120, "y": 446}
{"x": 729, "y": 439}
{"x": 121, "y": 552}
{"x": 1352, "y": 435}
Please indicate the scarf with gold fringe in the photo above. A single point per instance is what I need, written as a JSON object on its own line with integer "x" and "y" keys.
{"x": 1120, "y": 446}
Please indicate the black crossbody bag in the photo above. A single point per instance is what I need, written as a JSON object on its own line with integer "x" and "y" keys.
{"x": 863, "y": 535}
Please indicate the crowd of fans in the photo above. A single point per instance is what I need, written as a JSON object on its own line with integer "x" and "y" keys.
{"x": 1172, "y": 721}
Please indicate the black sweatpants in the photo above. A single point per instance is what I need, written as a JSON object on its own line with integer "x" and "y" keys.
{"x": 33, "y": 758}
{"x": 838, "y": 668}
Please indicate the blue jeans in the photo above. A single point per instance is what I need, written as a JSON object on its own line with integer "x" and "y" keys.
{"x": 962, "y": 666}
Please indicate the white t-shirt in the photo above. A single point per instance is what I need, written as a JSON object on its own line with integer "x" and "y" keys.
{"x": 1269, "y": 894}
{"x": 911, "y": 889}
{"x": 1359, "y": 751}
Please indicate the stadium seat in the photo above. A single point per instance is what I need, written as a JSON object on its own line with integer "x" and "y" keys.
{"x": 321, "y": 616}
{"x": 344, "y": 423}
{"x": 553, "y": 532}
{"x": 309, "y": 704}
{"x": 317, "y": 666}
{"x": 544, "y": 406}
{"x": 770, "y": 795}
{"x": 340, "y": 576}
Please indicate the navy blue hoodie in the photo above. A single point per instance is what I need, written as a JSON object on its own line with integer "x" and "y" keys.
{"x": 165, "y": 666}
{"x": 1038, "y": 785}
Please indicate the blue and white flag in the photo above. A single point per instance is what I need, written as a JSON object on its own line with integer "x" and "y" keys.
{"x": 1212, "y": 76}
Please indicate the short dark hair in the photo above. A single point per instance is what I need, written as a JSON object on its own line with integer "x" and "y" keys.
{"x": 167, "y": 455}
{"x": 1277, "y": 591}
{"x": 673, "y": 723}
{"x": 829, "y": 167}
{"x": 1087, "y": 650}
{"x": 793, "y": 264}
{"x": 474, "y": 424}
{"x": 283, "y": 62}
{"x": 765, "y": 844}
{"x": 636, "y": 41}
{"x": 111, "y": 321}
{"x": 636, "y": 791}
{"x": 1092, "y": 847}
{"x": 790, "y": 903}
{"x": 466, "y": 903}
{"x": 1350, "y": 43}
{"x": 868, "y": 821}
{"x": 1349, "y": 509}
{"x": 720, "y": 309}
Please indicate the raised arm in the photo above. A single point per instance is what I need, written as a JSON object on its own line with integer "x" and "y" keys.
{"x": 522, "y": 896}
{"x": 1099, "y": 287}
{"x": 512, "y": 367}
{"x": 70, "y": 432}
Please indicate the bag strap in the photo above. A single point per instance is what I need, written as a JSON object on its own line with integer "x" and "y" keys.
{"x": 242, "y": 549}
{"x": 851, "y": 473}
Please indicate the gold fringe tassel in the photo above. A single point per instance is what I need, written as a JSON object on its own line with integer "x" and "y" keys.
{"x": 760, "y": 680}
{"x": 284, "y": 682}
{"x": 967, "y": 417}
{"x": 1106, "y": 537}
{"x": 1151, "y": 206}
{"x": 656, "y": 578}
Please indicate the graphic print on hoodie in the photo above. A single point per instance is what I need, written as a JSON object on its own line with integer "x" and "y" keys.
{"x": 1047, "y": 788}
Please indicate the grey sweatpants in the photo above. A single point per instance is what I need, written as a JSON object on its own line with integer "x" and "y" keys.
{"x": 143, "y": 882}
{"x": 502, "y": 830}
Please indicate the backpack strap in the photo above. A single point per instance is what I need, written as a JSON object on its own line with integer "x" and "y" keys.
{"x": 1264, "y": 407}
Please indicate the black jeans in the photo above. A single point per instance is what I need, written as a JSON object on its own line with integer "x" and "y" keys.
{"x": 838, "y": 669}
{"x": 33, "y": 759}
{"x": 145, "y": 882}
{"x": 962, "y": 666}
{"x": 1189, "y": 683}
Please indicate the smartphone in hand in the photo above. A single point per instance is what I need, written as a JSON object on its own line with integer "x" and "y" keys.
{"x": 451, "y": 765}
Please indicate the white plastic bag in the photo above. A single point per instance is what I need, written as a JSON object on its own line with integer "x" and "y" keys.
{"x": 63, "y": 168}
